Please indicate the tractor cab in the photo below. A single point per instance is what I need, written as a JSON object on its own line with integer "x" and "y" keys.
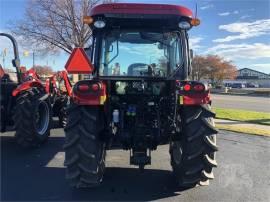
{"x": 127, "y": 34}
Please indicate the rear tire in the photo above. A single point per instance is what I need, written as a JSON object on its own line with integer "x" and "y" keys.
{"x": 32, "y": 118}
{"x": 84, "y": 151}
{"x": 193, "y": 157}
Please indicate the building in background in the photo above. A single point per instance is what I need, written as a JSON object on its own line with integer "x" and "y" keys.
{"x": 77, "y": 77}
{"x": 247, "y": 73}
{"x": 251, "y": 78}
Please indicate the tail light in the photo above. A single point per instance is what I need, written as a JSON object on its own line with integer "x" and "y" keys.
{"x": 187, "y": 87}
{"x": 89, "y": 93}
{"x": 199, "y": 87}
{"x": 83, "y": 87}
{"x": 191, "y": 86}
{"x": 89, "y": 87}
{"x": 95, "y": 87}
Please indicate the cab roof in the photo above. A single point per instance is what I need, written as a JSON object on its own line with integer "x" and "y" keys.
{"x": 140, "y": 9}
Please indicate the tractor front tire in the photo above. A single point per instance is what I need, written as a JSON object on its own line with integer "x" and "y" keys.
{"x": 32, "y": 118}
{"x": 84, "y": 151}
{"x": 193, "y": 157}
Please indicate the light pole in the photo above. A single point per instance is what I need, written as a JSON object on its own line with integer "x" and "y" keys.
{"x": 26, "y": 54}
{"x": 33, "y": 58}
{"x": 4, "y": 54}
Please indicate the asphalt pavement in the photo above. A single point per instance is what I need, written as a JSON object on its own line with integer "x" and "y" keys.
{"x": 251, "y": 103}
{"x": 38, "y": 175}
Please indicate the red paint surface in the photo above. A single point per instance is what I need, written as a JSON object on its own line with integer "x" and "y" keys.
{"x": 2, "y": 73}
{"x": 91, "y": 98}
{"x": 133, "y": 8}
{"x": 51, "y": 86}
{"x": 78, "y": 62}
{"x": 25, "y": 86}
{"x": 196, "y": 99}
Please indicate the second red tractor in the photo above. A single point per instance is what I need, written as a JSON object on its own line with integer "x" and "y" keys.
{"x": 25, "y": 104}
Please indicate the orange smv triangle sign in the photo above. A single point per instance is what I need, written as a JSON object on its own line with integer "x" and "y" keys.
{"x": 78, "y": 62}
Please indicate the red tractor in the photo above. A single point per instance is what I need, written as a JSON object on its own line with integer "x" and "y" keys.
{"x": 139, "y": 95}
{"x": 59, "y": 88}
{"x": 25, "y": 105}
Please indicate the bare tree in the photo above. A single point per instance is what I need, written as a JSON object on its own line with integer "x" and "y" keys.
{"x": 50, "y": 25}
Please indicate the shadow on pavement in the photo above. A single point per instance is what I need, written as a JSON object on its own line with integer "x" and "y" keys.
{"x": 260, "y": 121}
{"x": 25, "y": 177}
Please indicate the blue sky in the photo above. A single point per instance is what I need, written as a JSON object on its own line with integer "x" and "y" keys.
{"x": 237, "y": 30}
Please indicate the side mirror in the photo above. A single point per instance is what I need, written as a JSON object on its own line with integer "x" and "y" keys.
{"x": 191, "y": 54}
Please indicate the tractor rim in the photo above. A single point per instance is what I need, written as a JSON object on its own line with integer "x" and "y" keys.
{"x": 42, "y": 118}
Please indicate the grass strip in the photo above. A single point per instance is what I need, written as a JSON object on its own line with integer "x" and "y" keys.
{"x": 262, "y": 118}
{"x": 241, "y": 129}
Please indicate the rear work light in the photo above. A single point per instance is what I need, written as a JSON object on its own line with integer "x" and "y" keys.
{"x": 184, "y": 25}
{"x": 99, "y": 24}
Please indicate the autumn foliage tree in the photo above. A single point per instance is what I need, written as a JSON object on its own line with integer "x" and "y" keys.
{"x": 43, "y": 70}
{"x": 213, "y": 67}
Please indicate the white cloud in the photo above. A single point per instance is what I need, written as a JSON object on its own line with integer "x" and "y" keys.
{"x": 262, "y": 65}
{"x": 229, "y": 13}
{"x": 206, "y": 6}
{"x": 245, "y": 29}
{"x": 224, "y": 14}
{"x": 241, "y": 51}
{"x": 194, "y": 42}
{"x": 245, "y": 17}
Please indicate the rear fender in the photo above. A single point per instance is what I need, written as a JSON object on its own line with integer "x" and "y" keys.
{"x": 25, "y": 86}
{"x": 89, "y": 97}
{"x": 192, "y": 97}
{"x": 32, "y": 73}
